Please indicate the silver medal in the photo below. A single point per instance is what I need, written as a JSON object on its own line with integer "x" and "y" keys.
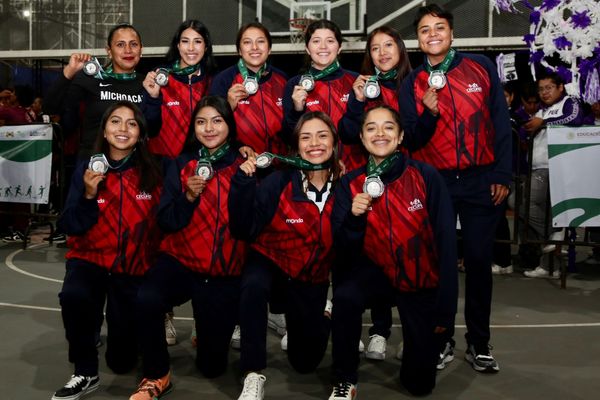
{"x": 204, "y": 169}
{"x": 251, "y": 85}
{"x": 437, "y": 79}
{"x": 307, "y": 82}
{"x": 98, "y": 163}
{"x": 264, "y": 160}
{"x": 91, "y": 67}
{"x": 373, "y": 186}
{"x": 372, "y": 90}
{"x": 162, "y": 77}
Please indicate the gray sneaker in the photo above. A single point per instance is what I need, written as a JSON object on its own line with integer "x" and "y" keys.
{"x": 446, "y": 356}
{"x": 481, "y": 359}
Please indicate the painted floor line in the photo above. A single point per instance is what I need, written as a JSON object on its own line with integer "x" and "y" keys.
{"x": 508, "y": 326}
{"x": 10, "y": 264}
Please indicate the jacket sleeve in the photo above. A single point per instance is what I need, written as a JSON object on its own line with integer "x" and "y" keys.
{"x": 220, "y": 85}
{"x": 418, "y": 129}
{"x": 290, "y": 115}
{"x": 174, "y": 210}
{"x": 443, "y": 222}
{"x": 79, "y": 214}
{"x": 572, "y": 114}
{"x": 252, "y": 206}
{"x": 152, "y": 108}
{"x": 349, "y": 126}
{"x": 348, "y": 229}
{"x": 502, "y": 171}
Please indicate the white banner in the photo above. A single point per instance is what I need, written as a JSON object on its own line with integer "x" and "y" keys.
{"x": 25, "y": 163}
{"x": 574, "y": 162}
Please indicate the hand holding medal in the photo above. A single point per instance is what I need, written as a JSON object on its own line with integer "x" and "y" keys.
{"x": 360, "y": 204}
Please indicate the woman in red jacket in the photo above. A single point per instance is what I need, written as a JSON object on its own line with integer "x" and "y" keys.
{"x": 110, "y": 219}
{"x": 286, "y": 217}
{"x": 198, "y": 258}
{"x": 171, "y": 92}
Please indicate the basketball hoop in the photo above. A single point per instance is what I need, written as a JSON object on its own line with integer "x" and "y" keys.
{"x": 298, "y": 28}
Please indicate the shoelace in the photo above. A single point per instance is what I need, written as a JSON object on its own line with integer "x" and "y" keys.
{"x": 75, "y": 380}
{"x": 251, "y": 386}
{"x": 342, "y": 389}
{"x": 149, "y": 385}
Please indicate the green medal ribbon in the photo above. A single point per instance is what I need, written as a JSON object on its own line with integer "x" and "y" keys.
{"x": 245, "y": 73}
{"x": 298, "y": 162}
{"x": 383, "y": 167}
{"x": 379, "y": 76}
{"x": 331, "y": 68}
{"x": 214, "y": 157}
{"x": 444, "y": 65}
{"x": 120, "y": 77}
{"x": 183, "y": 71}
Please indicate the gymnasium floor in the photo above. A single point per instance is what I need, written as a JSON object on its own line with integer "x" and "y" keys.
{"x": 547, "y": 341}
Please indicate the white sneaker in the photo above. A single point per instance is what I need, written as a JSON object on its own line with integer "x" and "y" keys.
{"x": 498, "y": 270}
{"x": 170, "y": 331}
{"x": 376, "y": 348}
{"x": 236, "y": 338}
{"x": 328, "y": 308}
{"x": 540, "y": 272}
{"x": 343, "y": 391}
{"x": 361, "y": 346}
{"x": 284, "y": 342}
{"x": 560, "y": 235}
{"x": 277, "y": 323}
{"x": 254, "y": 387}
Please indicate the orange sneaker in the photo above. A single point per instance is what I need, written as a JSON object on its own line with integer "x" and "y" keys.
{"x": 152, "y": 389}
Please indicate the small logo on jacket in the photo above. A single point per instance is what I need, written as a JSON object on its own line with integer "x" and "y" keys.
{"x": 279, "y": 102}
{"x": 143, "y": 196}
{"x": 344, "y": 98}
{"x": 294, "y": 221}
{"x": 312, "y": 103}
{"x": 415, "y": 205}
{"x": 101, "y": 200}
{"x": 172, "y": 103}
{"x": 474, "y": 87}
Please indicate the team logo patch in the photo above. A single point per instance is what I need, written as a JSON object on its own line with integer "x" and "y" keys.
{"x": 294, "y": 221}
{"x": 474, "y": 88}
{"x": 415, "y": 205}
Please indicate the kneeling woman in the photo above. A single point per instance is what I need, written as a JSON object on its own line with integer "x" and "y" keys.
{"x": 394, "y": 218}
{"x": 110, "y": 217}
{"x": 198, "y": 259}
{"x": 287, "y": 219}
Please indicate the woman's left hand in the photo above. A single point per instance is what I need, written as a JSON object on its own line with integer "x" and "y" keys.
{"x": 247, "y": 152}
{"x": 498, "y": 192}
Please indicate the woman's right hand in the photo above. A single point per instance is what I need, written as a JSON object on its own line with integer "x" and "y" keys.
{"x": 299, "y": 96}
{"x": 359, "y": 87}
{"x": 236, "y": 93}
{"x": 249, "y": 166}
{"x": 76, "y": 62}
{"x": 91, "y": 180}
{"x": 194, "y": 187}
{"x": 150, "y": 85}
{"x": 430, "y": 100}
{"x": 360, "y": 204}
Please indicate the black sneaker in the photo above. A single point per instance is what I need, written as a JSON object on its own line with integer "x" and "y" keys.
{"x": 343, "y": 391}
{"x": 14, "y": 237}
{"x": 446, "y": 355}
{"x": 77, "y": 386}
{"x": 56, "y": 238}
{"x": 481, "y": 359}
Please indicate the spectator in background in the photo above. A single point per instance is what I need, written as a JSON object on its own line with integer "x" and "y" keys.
{"x": 14, "y": 109}
{"x": 558, "y": 108}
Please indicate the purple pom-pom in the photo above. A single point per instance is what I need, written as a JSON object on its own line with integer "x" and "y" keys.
{"x": 564, "y": 73}
{"x": 529, "y": 38}
{"x": 549, "y": 4}
{"x": 536, "y": 57}
{"x": 534, "y": 17}
{"x": 581, "y": 20}
{"x": 562, "y": 42}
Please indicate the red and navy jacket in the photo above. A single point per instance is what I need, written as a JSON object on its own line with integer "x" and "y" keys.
{"x": 473, "y": 126}
{"x": 170, "y": 114}
{"x": 408, "y": 232}
{"x": 117, "y": 230}
{"x": 197, "y": 233}
{"x": 259, "y": 117}
{"x": 283, "y": 224}
{"x": 330, "y": 95}
{"x": 350, "y": 125}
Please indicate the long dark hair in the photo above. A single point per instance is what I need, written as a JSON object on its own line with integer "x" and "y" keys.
{"x": 208, "y": 60}
{"x": 149, "y": 167}
{"x": 403, "y": 68}
{"x": 335, "y": 169}
{"x": 310, "y": 30}
{"x": 220, "y": 104}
